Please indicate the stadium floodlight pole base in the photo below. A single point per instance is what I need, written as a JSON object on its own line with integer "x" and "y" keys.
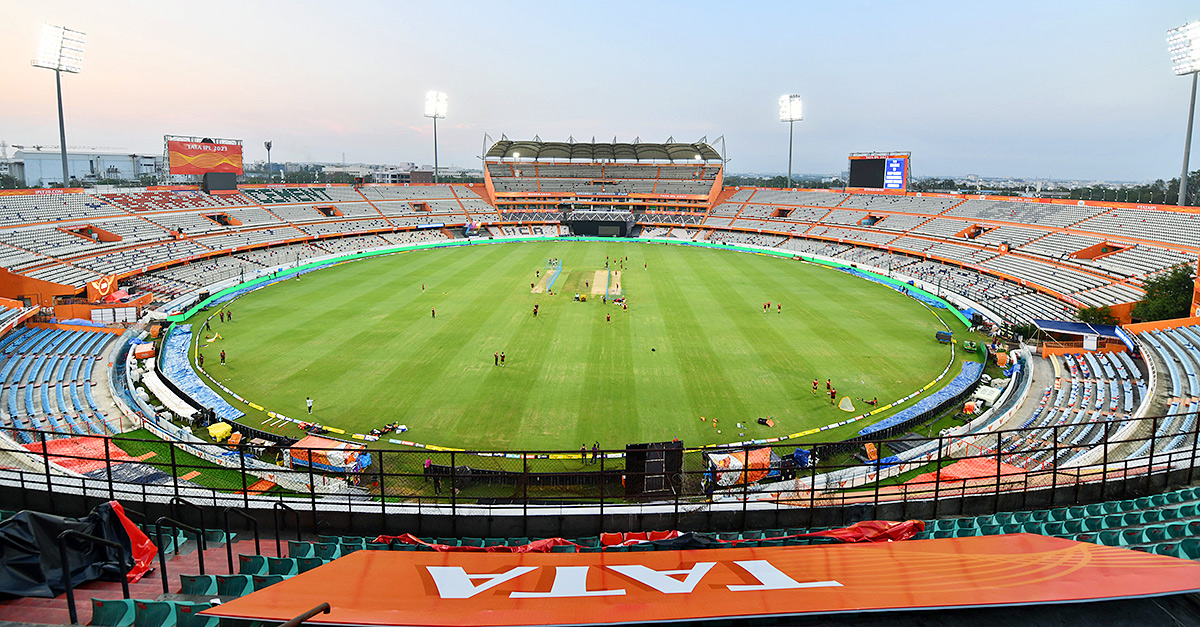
{"x": 62, "y": 128}
{"x": 1187, "y": 144}
{"x": 791, "y": 134}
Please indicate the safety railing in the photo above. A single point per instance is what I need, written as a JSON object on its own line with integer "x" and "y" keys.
{"x": 65, "y": 561}
{"x": 162, "y": 557}
{"x": 1060, "y": 458}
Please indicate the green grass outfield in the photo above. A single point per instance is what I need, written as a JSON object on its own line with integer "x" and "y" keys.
{"x": 360, "y": 339}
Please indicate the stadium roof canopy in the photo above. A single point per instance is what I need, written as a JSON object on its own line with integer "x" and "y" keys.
{"x": 564, "y": 151}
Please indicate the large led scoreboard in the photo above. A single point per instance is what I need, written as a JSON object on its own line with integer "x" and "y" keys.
{"x": 874, "y": 170}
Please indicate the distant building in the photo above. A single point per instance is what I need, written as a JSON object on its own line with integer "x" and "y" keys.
{"x": 44, "y": 167}
{"x": 14, "y": 168}
{"x": 352, "y": 170}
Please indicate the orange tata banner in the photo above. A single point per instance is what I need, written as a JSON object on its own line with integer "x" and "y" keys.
{"x": 203, "y": 157}
{"x": 502, "y": 589}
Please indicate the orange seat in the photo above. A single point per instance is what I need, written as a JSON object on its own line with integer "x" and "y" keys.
{"x": 611, "y": 539}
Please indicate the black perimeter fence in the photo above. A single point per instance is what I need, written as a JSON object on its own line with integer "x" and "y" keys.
{"x": 714, "y": 488}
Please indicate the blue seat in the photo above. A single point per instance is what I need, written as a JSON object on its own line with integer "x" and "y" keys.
{"x": 198, "y": 584}
{"x": 305, "y": 564}
{"x": 113, "y": 612}
{"x": 154, "y": 614}
{"x": 234, "y": 585}
{"x": 252, "y": 565}
{"x": 327, "y": 550}
{"x": 266, "y": 581}
{"x": 188, "y": 615}
{"x": 299, "y": 549}
{"x": 283, "y": 565}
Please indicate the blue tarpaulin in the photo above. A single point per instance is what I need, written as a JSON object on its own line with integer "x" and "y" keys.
{"x": 175, "y": 367}
{"x": 82, "y": 322}
{"x": 970, "y": 374}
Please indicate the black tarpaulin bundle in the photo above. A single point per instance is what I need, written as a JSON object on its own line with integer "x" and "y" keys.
{"x": 30, "y": 565}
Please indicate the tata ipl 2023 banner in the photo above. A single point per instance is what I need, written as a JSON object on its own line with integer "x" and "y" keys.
{"x": 202, "y": 157}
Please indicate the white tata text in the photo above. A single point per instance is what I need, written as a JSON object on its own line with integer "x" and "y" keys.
{"x": 454, "y": 582}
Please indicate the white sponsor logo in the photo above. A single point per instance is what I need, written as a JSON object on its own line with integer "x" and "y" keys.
{"x": 454, "y": 582}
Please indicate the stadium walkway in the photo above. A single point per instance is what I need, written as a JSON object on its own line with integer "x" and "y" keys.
{"x": 1043, "y": 378}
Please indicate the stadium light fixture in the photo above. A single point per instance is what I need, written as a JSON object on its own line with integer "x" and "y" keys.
{"x": 1183, "y": 44}
{"x": 61, "y": 50}
{"x": 435, "y": 107}
{"x": 790, "y": 111}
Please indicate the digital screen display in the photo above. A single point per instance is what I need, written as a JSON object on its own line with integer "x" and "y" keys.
{"x": 201, "y": 157}
{"x": 866, "y": 173}
{"x": 879, "y": 172}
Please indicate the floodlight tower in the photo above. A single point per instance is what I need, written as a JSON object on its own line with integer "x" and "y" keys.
{"x": 790, "y": 111}
{"x": 1184, "y": 45}
{"x": 435, "y": 107}
{"x": 61, "y": 50}
{"x": 267, "y": 145}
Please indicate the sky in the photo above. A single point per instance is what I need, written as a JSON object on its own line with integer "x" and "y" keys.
{"x": 1061, "y": 90}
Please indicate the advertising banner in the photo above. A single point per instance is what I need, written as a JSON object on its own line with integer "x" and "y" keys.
{"x": 101, "y": 287}
{"x": 202, "y": 157}
{"x": 452, "y": 588}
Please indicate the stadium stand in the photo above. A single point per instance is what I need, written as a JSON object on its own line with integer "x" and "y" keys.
{"x": 921, "y": 225}
{"x": 51, "y": 207}
{"x": 40, "y": 370}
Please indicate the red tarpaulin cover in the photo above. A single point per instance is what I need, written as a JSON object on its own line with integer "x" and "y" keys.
{"x": 967, "y": 469}
{"x": 537, "y": 546}
{"x": 872, "y": 531}
{"x": 143, "y": 549}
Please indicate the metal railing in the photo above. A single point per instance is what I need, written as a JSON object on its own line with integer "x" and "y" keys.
{"x": 162, "y": 558}
{"x": 1063, "y": 461}
{"x": 64, "y": 559}
{"x": 229, "y": 534}
{"x": 299, "y": 620}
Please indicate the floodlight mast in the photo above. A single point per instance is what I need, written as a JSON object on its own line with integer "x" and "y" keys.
{"x": 61, "y": 50}
{"x": 435, "y": 107}
{"x": 267, "y": 145}
{"x": 790, "y": 111}
{"x": 1183, "y": 44}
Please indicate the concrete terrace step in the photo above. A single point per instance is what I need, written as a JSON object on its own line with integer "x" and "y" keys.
{"x": 54, "y": 611}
